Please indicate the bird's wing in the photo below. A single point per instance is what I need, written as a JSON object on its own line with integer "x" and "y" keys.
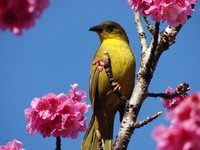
{"x": 94, "y": 76}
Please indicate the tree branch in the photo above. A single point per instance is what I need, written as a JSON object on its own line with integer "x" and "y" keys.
{"x": 160, "y": 42}
{"x": 149, "y": 26}
{"x": 58, "y": 143}
{"x": 164, "y": 95}
{"x": 113, "y": 83}
{"x": 167, "y": 37}
{"x": 142, "y": 35}
{"x": 180, "y": 90}
{"x": 147, "y": 120}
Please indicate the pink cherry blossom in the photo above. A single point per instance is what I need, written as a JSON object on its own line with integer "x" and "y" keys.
{"x": 58, "y": 115}
{"x": 77, "y": 96}
{"x": 100, "y": 64}
{"x": 184, "y": 131}
{"x": 175, "y": 12}
{"x": 13, "y": 145}
{"x": 188, "y": 109}
{"x": 172, "y": 103}
{"x": 141, "y": 6}
{"x": 17, "y": 15}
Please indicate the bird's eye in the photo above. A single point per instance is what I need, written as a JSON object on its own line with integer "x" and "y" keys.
{"x": 110, "y": 28}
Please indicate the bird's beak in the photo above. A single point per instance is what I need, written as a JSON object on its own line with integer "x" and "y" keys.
{"x": 96, "y": 29}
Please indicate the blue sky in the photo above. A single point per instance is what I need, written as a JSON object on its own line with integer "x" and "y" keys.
{"x": 58, "y": 52}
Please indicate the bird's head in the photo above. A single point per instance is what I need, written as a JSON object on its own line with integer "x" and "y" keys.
{"x": 109, "y": 30}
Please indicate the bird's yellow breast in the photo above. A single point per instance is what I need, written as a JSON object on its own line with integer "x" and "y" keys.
{"x": 122, "y": 63}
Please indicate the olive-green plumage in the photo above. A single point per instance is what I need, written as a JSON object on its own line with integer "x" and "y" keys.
{"x": 105, "y": 104}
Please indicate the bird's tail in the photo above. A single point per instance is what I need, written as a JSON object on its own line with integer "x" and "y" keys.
{"x": 91, "y": 139}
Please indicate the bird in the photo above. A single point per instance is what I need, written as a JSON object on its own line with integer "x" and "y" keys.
{"x": 105, "y": 103}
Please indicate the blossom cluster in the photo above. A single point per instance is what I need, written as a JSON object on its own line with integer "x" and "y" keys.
{"x": 58, "y": 115}
{"x": 175, "y": 12}
{"x": 172, "y": 103}
{"x": 17, "y": 15}
{"x": 184, "y": 131}
{"x": 13, "y": 145}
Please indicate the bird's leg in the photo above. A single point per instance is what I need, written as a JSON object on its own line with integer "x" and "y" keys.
{"x": 116, "y": 88}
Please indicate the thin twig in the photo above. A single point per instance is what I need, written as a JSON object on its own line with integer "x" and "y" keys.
{"x": 115, "y": 86}
{"x": 147, "y": 120}
{"x": 155, "y": 37}
{"x": 180, "y": 90}
{"x": 149, "y": 26}
{"x": 108, "y": 70}
{"x": 58, "y": 143}
{"x": 164, "y": 95}
{"x": 148, "y": 63}
{"x": 142, "y": 35}
{"x": 154, "y": 42}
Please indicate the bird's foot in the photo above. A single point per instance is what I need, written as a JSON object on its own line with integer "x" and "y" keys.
{"x": 116, "y": 86}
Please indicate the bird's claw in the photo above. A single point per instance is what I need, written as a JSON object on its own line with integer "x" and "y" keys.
{"x": 116, "y": 86}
